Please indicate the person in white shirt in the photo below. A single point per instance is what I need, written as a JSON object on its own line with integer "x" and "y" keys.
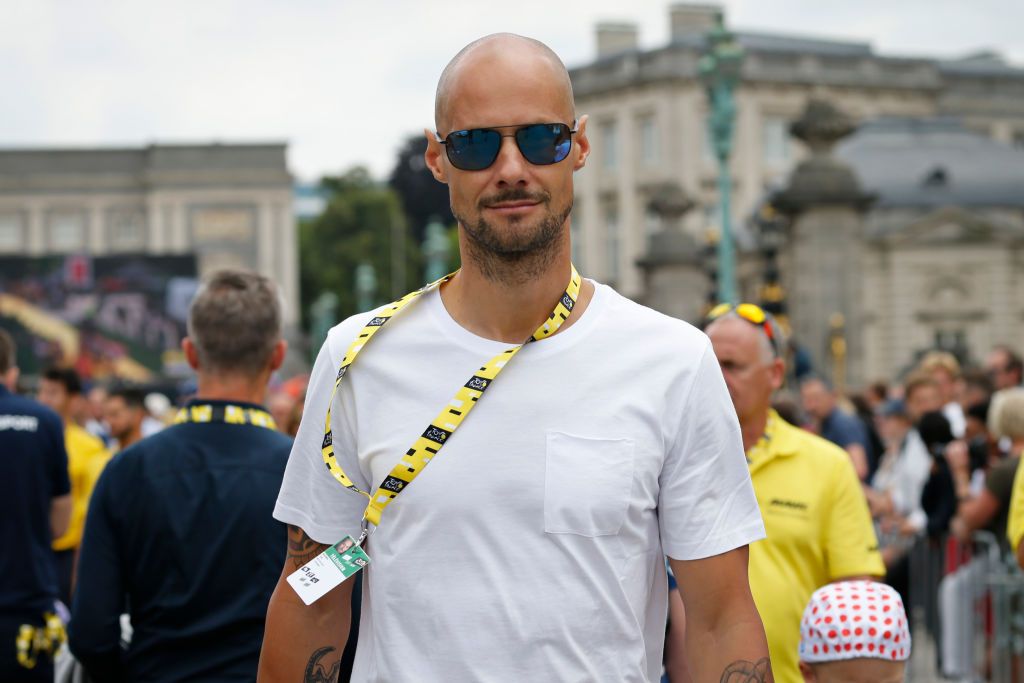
{"x": 533, "y": 546}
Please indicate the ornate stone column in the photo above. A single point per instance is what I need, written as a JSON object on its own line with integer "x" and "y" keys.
{"x": 674, "y": 280}
{"x": 823, "y": 253}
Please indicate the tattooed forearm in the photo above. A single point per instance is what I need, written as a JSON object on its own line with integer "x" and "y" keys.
{"x": 302, "y": 548}
{"x": 748, "y": 672}
{"x": 322, "y": 672}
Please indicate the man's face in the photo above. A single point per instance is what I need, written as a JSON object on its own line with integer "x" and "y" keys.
{"x": 121, "y": 419}
{"x": 923, "y": 399}
{"x": 945, "y": 384}
{"x": 751, "y": 375}
{"x": 998, "y": 366}
{"x": 512, "y": 207}
{"x": 817, "y": 399}
{"x": 892, "y": 429}
{"x": 97, "y": 397}
{"x": 859, "y": 670}
{"x": 53, "y": 395}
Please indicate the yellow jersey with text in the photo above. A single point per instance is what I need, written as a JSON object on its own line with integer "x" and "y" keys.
{"x": 1015, "y": 519}
{"x": 87, "y": 456}
{"x": 818, "y": 530}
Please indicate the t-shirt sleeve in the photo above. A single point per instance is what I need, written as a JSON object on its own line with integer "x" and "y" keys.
{"x": 1015, "y": 522}
{"x": 706, "y": 504}
{"x": 1000, "y": 480}
{"x": 311, "y": 498}
{"x": 851, "y": 547}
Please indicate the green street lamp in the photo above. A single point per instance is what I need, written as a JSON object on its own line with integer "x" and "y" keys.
{"x": 719, "y": 69}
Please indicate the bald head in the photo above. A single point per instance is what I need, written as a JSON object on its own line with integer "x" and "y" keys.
{"x": 515, "y": 55}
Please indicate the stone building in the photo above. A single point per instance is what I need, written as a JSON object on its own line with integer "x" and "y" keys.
{"x": 230, "y": 205}
{"x": 648, "y": 115}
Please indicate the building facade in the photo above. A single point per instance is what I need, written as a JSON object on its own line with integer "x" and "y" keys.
{"x": 648, "y": 113}
{"x": 230, "y": 205}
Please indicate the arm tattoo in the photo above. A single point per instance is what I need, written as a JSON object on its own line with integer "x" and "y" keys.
{"x": 317, "y": 672}
{"x": 742, "y": 671}
{"x": 302, "y": 548}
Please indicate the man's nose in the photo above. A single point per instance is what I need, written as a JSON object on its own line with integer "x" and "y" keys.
{"x": 510, "y": 166}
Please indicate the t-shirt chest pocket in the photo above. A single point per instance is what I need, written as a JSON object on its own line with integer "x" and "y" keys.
{"x": 587, "y": 484}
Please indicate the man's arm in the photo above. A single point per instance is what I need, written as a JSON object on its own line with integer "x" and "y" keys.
{"x": 859, "y": 458}
{"x": 60, "y": 515}
{"x": 725, "y": 641}
{"x": 304, "y": 643}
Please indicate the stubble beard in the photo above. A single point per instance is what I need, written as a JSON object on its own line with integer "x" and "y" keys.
{"x": 522, "y": 254}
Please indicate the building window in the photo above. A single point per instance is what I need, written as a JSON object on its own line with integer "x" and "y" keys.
{"x": 612, "y": 248}
{"x": 126, "y": 230}
{"x": 775, "y": 143}
{"x": 649, "y": 142}
{"x": 67, "y": 232}
{"x": 12, "y": 237}
{"x": 609, "y": 135}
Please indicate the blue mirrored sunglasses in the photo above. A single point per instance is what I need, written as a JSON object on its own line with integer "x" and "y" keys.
{"x": 541, "y": 144}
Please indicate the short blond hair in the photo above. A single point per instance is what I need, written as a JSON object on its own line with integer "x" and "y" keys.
{"x": 1006, "y": 414}
{"x": 940, "y": 360}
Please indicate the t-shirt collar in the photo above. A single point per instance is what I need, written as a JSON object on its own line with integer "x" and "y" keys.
{"x": 775, "y": 442}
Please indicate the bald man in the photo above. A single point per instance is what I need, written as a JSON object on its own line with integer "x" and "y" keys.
{"x": 533, "y": 546}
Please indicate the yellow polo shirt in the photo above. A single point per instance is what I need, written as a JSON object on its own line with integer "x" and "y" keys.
{"x": 818, "y": 530}
{"x": 1015, "y": 521}
{"x": 87, "y": 456}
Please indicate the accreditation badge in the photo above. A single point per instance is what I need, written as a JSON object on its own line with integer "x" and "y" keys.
{"x": 328, "y": 569}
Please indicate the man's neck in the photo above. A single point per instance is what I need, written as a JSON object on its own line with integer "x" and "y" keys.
{"x": 497, "y": 310}
{"x": 232, "y": 388}
{"x": 753, "y": 429}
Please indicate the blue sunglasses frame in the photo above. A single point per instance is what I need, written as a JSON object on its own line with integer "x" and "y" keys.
{"x": 476, "y": 149}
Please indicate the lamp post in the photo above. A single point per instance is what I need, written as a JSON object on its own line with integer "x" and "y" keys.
{"x": 719, "y": 68}
{"x": 435, "y": 250}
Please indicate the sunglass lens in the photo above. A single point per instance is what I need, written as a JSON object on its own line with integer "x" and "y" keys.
{"x": 544, "y": 143}
{"x": 473, "y": 150}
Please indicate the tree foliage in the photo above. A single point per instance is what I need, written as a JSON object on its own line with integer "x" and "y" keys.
{"x": 421, "y": 195}
{"x": 363, "y": 222}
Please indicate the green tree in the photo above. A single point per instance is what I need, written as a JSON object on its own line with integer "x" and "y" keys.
{"x": 362, "y": 223}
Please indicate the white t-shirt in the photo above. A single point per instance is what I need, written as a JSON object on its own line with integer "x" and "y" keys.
{"x": 532, "y": 547}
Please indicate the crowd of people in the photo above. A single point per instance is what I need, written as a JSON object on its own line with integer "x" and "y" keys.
{"x": 603, "y": 485}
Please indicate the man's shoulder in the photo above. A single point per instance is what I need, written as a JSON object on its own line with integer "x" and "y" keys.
{"x": 651, "y": 325}
{"x": 811, "y": 448}
{"x": 82, "y": 442}
{"x": 13, "y": 404}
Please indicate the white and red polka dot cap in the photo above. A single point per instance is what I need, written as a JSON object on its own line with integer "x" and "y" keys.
{"x": 851, "y": 619}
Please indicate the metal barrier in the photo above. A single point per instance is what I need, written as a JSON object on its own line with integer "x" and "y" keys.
{"x": 965, "y": 603}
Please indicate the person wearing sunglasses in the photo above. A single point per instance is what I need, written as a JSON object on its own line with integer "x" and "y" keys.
{"x": 532, "y": 545}
{"x": 817, "y": 520}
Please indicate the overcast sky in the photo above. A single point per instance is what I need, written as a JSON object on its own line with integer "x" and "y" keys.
{"x": 344, "y": 81}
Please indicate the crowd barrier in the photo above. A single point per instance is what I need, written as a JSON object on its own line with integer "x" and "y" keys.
{"x": 965, "y": 603}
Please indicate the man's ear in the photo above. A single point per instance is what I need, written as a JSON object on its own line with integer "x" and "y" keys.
{"x": 778, "y": 373}
{"x": 808, "y": 673}
{"x": 582, "y": 143}
{"x": 10, "y": 378}
{"x": 434, "y": 157}
{"x": 191, "y": 354}
{"x": 278, "y": 354}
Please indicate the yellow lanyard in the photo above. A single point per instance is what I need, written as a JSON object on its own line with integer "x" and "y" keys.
{"x": 228, "y": 413}
{"x": 455, "y": 411}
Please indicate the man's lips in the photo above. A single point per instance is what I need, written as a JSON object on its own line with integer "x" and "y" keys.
{"x": 510, "y": 207}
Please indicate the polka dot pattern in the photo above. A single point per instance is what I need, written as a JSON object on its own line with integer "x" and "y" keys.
{"x": 850, "y": 619}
